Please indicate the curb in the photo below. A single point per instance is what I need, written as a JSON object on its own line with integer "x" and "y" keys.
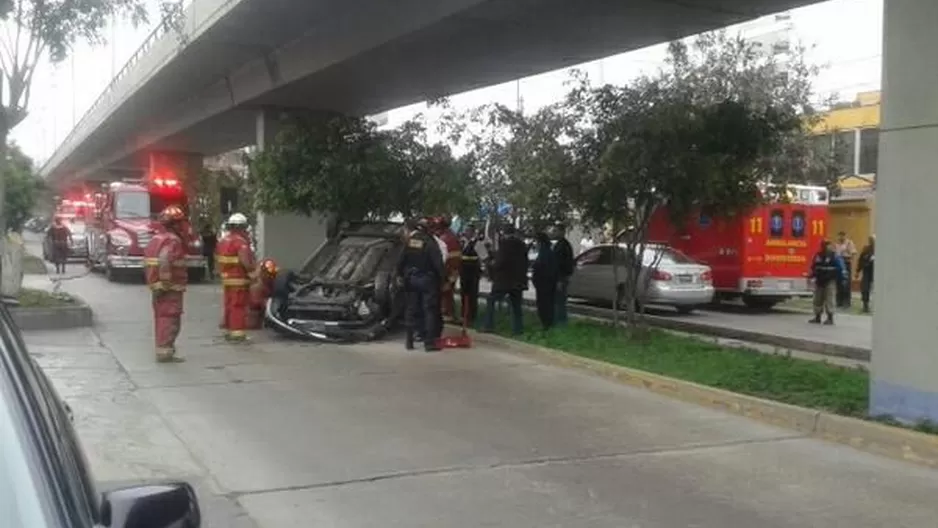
{"x": 872, "y": 437}
{"x": 683, "y": 325}
{"x": 52, "y": 318}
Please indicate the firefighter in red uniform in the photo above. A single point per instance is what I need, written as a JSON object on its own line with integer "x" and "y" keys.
{"x": 453, "y": 265}
{"x": 167, "y": 276}
{"x": 235, "y": 261}
{"x": 261, "y": 288}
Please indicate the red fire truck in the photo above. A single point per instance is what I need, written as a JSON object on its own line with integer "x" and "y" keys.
{"x": 763, "y": 256}
{"x": 124, "y": 221}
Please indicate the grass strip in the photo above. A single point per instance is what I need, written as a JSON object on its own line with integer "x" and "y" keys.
{"x": 805, "y": 383}
{"x": 33, "y": 265}
{"x": 32, "y": 298}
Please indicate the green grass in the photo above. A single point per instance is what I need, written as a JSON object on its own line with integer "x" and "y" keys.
{"x": 33, "y": 265}
{"x": 30, "y": 298}
{"x": 799, "y": 382}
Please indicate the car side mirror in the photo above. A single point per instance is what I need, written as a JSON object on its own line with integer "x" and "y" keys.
{"x": 169, "y": 505}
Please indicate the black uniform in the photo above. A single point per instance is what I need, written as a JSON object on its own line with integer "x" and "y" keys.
{"x": 469, "y": 274}
{"x": 421, "y": 267}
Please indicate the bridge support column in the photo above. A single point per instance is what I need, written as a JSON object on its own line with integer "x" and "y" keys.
{"x": 904, "y": 377}
{"x": 285, "y": 237}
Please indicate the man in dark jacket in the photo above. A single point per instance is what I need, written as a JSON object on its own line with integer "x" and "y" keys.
{"x": 508, "y": 271}
{"x": 421, "y": 269}
{"x": 545, "y": 276}
{"x": 827, "y": 270}
{"x": 865, "y": 272}
{"x": 565, "y": 266}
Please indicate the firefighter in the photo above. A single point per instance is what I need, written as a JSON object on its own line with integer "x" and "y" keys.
{"x": 453, "y": 264}
{"x": 421, "y": 270}
{"x": 469, "y": 274}
{"x": 260, "y": 291}
{"x": 167, "y": 276}
{"x": 235, "y": 261}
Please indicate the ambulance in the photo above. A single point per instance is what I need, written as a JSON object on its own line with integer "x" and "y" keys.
{"x": 762, "y": 257}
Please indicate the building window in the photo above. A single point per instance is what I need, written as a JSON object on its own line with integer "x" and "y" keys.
{"x": 845, "y": 145}
{"x": 869, "y": 150}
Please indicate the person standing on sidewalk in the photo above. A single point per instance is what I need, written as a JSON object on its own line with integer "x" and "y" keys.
{"x": 827, "y": 270}
{"x": 167, "y": 276}
{"x": 564, "y": 256}
{"x": 847, "y": 251}
{"x": 238, "y": 269}
{"x": 59, "y": 235}
{"x": 545, "y": 276}
{"x": 865, "y": 272}
{"x": 508, "y": 270}
{"x": 421, "y": 269}
{"x": 209, "y": 244}
{"x": 469, "y": 275}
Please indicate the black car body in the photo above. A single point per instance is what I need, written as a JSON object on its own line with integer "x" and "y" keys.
{"x": 347, "y": 291}
{"x": 44, "y": 479}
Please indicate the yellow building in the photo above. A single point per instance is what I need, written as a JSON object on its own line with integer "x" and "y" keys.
{"x": 854, "y": 128}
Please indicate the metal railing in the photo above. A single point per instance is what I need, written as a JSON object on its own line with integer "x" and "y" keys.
{"x": 165, "y": 26}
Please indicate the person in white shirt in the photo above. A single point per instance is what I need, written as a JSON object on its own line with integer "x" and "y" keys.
{"x": 586, "y": 243}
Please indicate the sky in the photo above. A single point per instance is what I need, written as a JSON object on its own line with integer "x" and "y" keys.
{"x": 844, "y": 37}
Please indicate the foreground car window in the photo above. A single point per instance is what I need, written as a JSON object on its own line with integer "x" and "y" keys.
{"x": 19, "y": 491}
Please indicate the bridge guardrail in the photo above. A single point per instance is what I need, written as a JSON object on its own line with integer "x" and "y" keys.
{"x": 161, "y": 29}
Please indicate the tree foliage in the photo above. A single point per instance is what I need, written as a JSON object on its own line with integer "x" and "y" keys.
{"x": 23, "y": 188}
{"x": 328, "y": 162}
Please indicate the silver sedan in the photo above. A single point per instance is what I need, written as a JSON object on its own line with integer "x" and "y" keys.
{"x": 668, "y": 278}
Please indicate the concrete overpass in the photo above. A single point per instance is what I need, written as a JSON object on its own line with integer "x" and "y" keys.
{"x": 214, "y": 90}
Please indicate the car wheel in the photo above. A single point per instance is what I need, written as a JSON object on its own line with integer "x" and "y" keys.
{"x": 684, "y": 310}
{"x": 111, "y": 274}
{"x": 757, "y": 304}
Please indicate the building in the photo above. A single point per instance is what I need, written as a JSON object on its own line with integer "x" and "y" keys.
{"x": 854, "y": 129}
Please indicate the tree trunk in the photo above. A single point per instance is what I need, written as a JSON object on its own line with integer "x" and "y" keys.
{"x": 11, "y": 248}
{"x": 620, "y": 292}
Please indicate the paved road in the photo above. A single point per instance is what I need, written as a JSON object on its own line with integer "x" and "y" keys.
{"x": 282, "y": 434}
{"x": 850, "y": 330}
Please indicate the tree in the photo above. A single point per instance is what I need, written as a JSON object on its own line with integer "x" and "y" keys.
{"x": 340, "y": 164}
{"x": 703, "y": 134}
{"x": 49, "y": 28}
{"x": 23, "y": 188}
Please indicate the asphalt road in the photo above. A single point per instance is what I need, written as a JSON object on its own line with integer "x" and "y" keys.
{"x": 283, "y": 434}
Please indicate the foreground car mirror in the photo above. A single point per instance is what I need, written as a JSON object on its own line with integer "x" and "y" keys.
{"x": 170, "y": 505}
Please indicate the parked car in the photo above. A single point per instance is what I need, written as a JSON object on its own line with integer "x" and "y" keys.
{"x": 44, "y": 478}
{"x": 347, "y": 290}
{"x": 78, "y": 245}
{"x": 668, "y": 277}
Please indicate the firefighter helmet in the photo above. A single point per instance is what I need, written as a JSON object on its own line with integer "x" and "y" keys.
{"x": 237, "y": 220}
{"x": 172, "y": 215}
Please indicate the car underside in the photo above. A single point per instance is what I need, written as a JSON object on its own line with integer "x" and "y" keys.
{"x": 346, "y": 292}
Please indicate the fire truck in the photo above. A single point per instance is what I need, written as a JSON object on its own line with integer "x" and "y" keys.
{"x": 124, "y": 222}
{"x": 762, "y": 257}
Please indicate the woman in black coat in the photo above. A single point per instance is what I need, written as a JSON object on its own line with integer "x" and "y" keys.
{"x": 544, "y": 275}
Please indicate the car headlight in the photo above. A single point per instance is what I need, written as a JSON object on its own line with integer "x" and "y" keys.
{"x": 119, "y": 239}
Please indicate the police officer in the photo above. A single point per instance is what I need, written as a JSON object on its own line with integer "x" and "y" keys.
{"x": 469, "y": 274}
{"x": 827, "y": 270}
{"x": 421, "y": 269}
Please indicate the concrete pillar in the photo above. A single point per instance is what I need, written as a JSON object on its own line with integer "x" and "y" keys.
{"x": 904, "y": 377}
{"x": 287, "y": 238}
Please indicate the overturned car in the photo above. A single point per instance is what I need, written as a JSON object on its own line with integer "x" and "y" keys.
{"x": 347, "y": 291}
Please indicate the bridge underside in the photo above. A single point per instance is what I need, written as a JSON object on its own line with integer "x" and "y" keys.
{"x": 330, "y": 56}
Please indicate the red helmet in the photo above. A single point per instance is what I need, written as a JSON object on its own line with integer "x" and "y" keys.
{"x": 172, "y": 215}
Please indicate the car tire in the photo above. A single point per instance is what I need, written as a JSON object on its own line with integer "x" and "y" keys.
{"x": 685, "y": 310}
{"x": 111, "y": 274}
{"x": 758, "y": 304}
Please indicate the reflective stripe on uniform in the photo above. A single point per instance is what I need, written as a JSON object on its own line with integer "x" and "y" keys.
{"x": 179, "y": 263}
{"x": 454, "y": 254}
{"x": 469, "y": 259}
{"x": 236, "y": 282}
{"x": 221, "y": 259}
{"x": 158, "y": 286}
{"x": 151, "y": 261}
